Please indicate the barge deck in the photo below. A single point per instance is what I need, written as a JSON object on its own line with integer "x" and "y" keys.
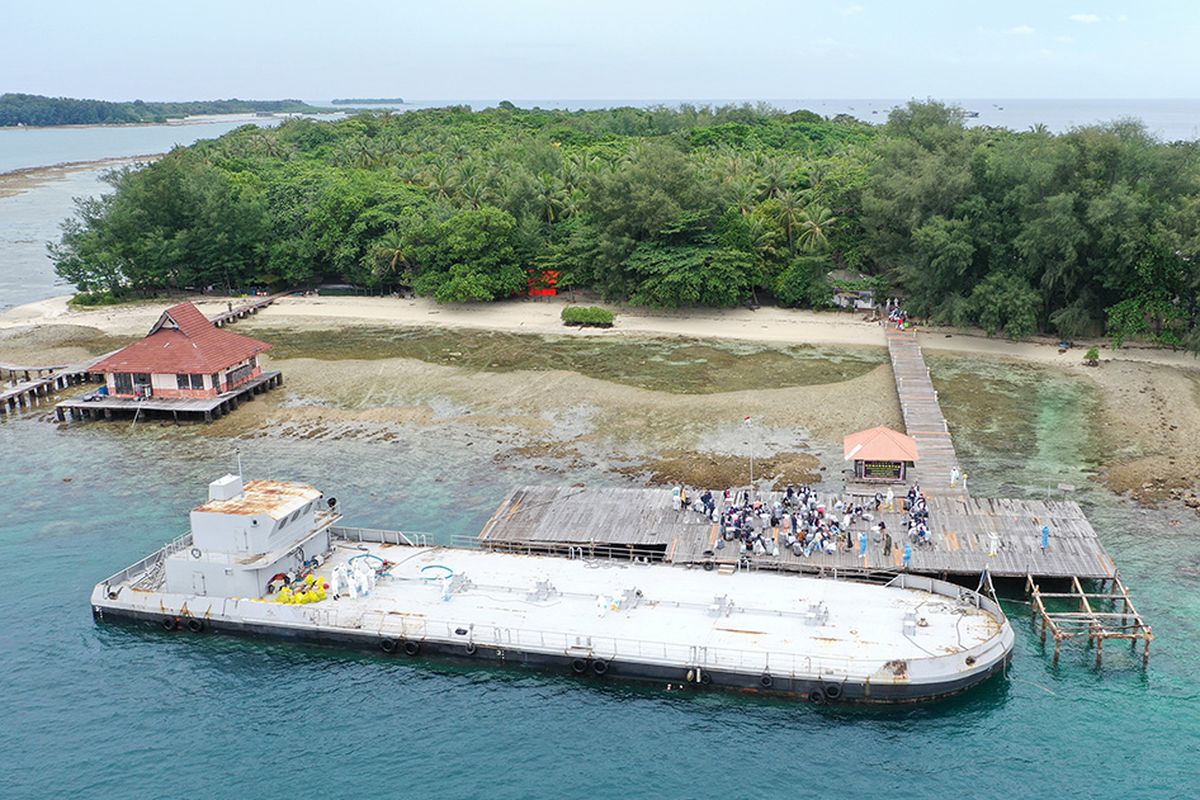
{"x": 824, "y": 640}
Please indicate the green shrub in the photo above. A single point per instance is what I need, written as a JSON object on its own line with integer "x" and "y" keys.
{"x": 1092, "y": 357}
{"x": 588, "y": 316}
{"x": 88, "y": 299}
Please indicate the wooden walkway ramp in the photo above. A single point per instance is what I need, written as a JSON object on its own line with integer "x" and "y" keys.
{"x": 923, "y": 418}
{"x": 246, "y": 309}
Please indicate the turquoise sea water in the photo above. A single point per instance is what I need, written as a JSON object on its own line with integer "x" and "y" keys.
{"x": 102, "y": 711}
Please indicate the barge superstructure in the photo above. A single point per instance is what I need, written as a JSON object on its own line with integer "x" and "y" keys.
{"x": 265, "y": 558}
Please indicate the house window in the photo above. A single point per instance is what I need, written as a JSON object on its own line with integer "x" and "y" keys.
{"x": 182, "y": 381}
{"x": 236, "y": 376}
{"x": 197, "y": 381}
{"x": 216, "y": 381}
{"x": 124, "y": 382}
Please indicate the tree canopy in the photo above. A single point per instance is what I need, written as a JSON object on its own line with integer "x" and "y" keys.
{"x": 36, "y": 109}
{"x": 1095, "y": 230}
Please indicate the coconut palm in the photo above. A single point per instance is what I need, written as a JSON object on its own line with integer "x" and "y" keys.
{"x": 815, "y": 222}
{"x": 790, "y": 208}
{"x": 441, "y": 181}
{"x": 387, "y": 257}
{"x": 474, "y": 193}
{"x": 550, "y": 197}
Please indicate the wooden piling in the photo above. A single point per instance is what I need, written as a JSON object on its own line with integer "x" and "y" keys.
{"x": 1091, "y": 622}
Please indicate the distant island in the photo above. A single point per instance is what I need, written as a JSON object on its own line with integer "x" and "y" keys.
{"x": 34, "y": 109}
{"x": 367, "y": 101}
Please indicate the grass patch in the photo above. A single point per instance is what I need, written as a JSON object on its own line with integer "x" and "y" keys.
{"x": 588, "y": 317}
{"x": 681, "y": 366}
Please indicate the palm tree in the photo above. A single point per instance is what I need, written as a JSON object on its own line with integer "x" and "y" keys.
{"x": 474, "y": 193}
{"x": 763, "y": 235}
{"x": 441, "y": 181}
{"x": 774, "y": 179}
{"x": 745, "y": 194}
{"x": 815, "y": 223}
{"x": 789, "y": 216}
{"x": 268, "y": 144}
{"x": 387, "y": 256}
{"x": 550, "y": 196}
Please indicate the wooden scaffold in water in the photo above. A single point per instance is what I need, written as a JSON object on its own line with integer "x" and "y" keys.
{"x": 1105, "y": 614}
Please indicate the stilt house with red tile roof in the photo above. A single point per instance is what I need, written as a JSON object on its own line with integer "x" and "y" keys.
{"x": 183, "y": 356}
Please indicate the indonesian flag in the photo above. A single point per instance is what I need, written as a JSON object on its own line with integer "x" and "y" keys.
{"x": 746, "y": 420}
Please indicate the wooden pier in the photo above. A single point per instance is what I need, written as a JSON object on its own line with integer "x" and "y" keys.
{"x": 642, "y": 523}
{"x": 191, "y": 409}
{"x": 28, "y": 386}
{"x": 970, "y": 535}
{"x": 246, "y": 309}
{"x": 923, "y": 418}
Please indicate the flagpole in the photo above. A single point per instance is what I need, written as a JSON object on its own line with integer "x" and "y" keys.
{"x": 750, "y": 424}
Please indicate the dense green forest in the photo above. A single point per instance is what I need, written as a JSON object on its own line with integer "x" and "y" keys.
{"x": 34, "y": 109}
{"x": 1093, "y": 231}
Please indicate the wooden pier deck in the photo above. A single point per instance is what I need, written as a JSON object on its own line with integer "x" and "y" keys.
{"x": 206, "y": 409}
{"x": 923, "y": 419}
{"x": 643, "y": 523}
{"x": 246, "y": 309}
{"x": 26, "y": 386}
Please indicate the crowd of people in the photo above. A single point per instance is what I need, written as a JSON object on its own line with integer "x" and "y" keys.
{"x": 918, "y": 517}
{"x": 898, "y": 317}
{"x": 803, "y": 522}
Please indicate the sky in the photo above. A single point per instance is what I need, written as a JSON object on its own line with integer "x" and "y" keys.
{"x": 601, "y": 49}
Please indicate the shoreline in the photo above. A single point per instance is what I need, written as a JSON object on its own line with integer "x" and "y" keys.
{"x": 19, "y": 181}
{"x": 194, "y": 119}
{"x": 1147, "y": 401}
{"x": 767, "y": 325}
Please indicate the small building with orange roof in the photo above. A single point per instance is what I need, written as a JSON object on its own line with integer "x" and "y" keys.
{"x": 880, "y": 454}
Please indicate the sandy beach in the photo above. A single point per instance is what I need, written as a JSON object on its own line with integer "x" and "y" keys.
{"x": 769, "y": 324}
{"x": 1149, "y": 400}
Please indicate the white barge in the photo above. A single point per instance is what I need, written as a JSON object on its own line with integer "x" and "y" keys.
{"x": 266, "y": 559}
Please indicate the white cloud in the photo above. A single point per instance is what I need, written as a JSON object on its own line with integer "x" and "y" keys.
{"x": 1022, "y": 30}
{"x": 851, "y": 10}
{"x": 1122, "y": 18}
{"x": 1063, "y": 39}
{"x": 1086, "y": 19}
